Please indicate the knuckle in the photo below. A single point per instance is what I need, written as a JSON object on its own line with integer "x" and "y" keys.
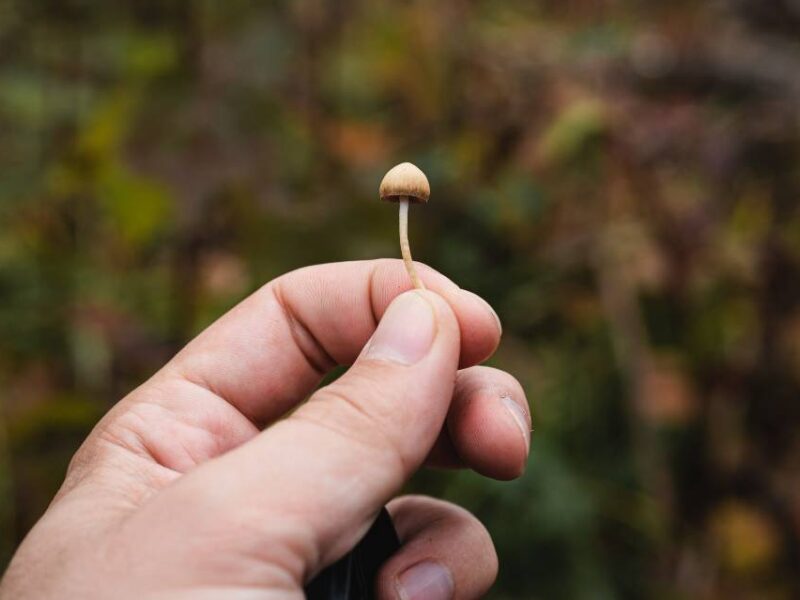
{"x": 357, "y": 412}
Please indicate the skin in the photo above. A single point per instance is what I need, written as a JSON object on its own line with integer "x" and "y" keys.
{"x": 198, "y": 484}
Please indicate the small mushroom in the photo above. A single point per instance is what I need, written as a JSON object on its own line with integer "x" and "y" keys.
{"x": 406, "y": 184}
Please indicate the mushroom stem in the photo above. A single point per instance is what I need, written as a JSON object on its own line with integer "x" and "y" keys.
{"x": 405, "y": 248}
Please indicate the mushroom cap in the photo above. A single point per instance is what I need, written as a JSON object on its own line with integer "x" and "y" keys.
{"x": 405, "y": 181}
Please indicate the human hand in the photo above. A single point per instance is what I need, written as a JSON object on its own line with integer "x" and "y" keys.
{"x": 178, "y": 492}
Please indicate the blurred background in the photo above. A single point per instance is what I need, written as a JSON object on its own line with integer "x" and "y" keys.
{"x": 619, "y": 178}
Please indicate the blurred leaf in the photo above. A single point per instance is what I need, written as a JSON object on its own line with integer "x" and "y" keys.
{"x": 746, "y": 538}
{"x": 67, "y": 413}
{"x": 140, "y": 208}
{"x": 573, "y": 132}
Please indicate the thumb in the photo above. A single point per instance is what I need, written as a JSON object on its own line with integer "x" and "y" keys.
{"x": 313, "y": 482}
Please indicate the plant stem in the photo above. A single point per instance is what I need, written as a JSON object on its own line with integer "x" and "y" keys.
{"x": 405, "y": 248}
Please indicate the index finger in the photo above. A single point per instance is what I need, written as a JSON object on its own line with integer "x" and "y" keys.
{"x": 271, "y": 350}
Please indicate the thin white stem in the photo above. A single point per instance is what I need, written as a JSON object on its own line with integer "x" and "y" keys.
{"x": 405, "y": 248}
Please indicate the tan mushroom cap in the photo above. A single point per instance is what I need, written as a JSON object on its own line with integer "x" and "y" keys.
{"x": 405, "y": 181}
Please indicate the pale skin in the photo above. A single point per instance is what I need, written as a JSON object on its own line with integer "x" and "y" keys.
{"x": 197, "y": 484}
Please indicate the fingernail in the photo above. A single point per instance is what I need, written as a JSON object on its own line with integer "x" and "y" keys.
{"x": 406, "y": 331}
{"x": 488, "y": 308}
{"x": 520, "y": 418}
{"x": 425, "y": 581}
